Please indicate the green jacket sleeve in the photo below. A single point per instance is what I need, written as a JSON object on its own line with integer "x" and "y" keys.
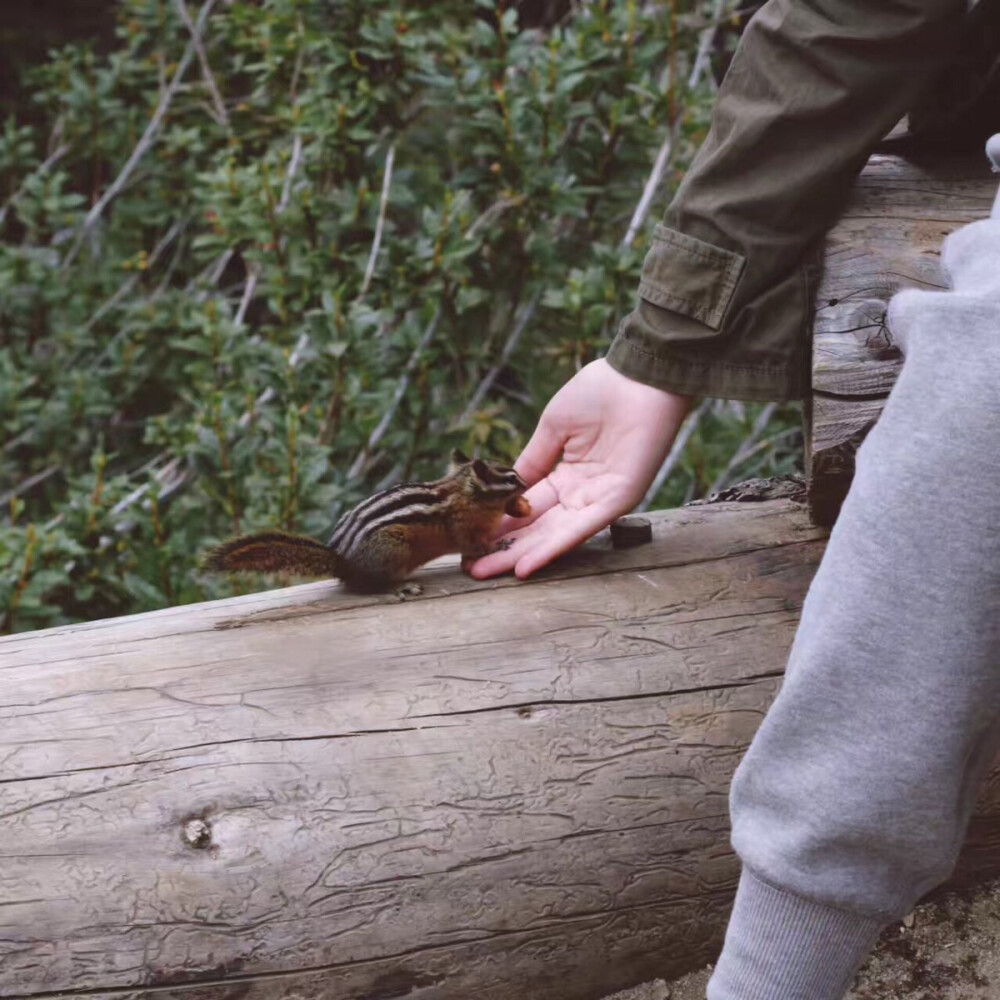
{"x": 725, "y": 297}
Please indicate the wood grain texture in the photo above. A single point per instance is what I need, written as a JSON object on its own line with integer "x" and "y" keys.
{"x": 495, "y": 790}
{"x": 888, "y": 238}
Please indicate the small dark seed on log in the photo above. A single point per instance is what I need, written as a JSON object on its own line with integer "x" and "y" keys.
{"x": 628, "y": 532}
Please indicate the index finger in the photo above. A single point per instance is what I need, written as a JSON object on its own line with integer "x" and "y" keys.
{"x": 542, "y": 496}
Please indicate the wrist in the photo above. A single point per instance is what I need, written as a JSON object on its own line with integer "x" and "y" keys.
{"x": 642, "y": 376}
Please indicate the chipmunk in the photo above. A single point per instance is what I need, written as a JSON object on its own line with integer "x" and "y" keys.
{"x": 384, "y": 538}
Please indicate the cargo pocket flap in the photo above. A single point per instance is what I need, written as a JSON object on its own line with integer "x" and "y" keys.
{"x": 690, "y": 277}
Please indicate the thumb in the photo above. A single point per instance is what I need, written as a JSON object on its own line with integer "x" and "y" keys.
{"x": 540, "y": 453}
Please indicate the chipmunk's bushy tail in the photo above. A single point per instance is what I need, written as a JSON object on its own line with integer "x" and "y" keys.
{"x": 273, "y": 552}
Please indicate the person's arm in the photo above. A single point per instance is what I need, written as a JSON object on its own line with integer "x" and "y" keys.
{"x": 725, "y": 296}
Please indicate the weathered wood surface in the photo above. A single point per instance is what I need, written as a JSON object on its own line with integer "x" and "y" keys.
{"x": 493, "y": 791}
{"x": 888, "y": 238}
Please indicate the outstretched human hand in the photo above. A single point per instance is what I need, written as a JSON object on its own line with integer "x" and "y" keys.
{"x": 613, "y": 434}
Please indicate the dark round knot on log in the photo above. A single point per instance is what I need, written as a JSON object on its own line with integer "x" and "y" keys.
{"x": 197, "y": 833}
{"x": 628, "y": 532}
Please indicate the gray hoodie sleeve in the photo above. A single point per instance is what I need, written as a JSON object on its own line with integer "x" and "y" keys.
{"x": 853, "y": 799}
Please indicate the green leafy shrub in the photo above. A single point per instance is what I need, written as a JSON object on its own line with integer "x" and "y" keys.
{"x": 264, "y": 258}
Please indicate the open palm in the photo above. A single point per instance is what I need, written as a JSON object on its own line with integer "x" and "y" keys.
{"x": 595, "y": 451}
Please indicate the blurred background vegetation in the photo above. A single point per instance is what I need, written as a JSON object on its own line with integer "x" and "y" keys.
{"x": 260, "y": 259}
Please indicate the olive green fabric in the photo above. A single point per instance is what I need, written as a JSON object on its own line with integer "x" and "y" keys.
{"x": 725, "y": 300}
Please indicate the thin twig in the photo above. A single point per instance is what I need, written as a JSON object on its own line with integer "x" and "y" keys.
{"x": 18, "y": 440}
{"x": 144, "y": 144}
{"x": 249, "y": 290}
{"x": 747, "y": 448}
{"x": 42, "y": 170}
{"x": 293, "y": 90}
{"x": 171, "y": 471}
{"x": 496, "y": 209}
{"x": 268, "y": 394}
{"x": 206, "y": 69}
{"x": 663, "y": 156}
{"x": 27, "y": 484}
{"x": 216, "y": 269}
{"x": 508, "y": 349}
{"x": 293, "y": 169}
{"x": 676, "y": 451}
{"x": 357, "y": 466}
{"x": 390, "y": 158}
{"x": 702, "y": 60}
{"x": 164, "y": 241}
{"x": 649, "y": 191}
{"x": 108, "y": 304}
{"x": 392, "y": 476}
{"x": 168, "y": 273}
{"x": 769, "y": 442}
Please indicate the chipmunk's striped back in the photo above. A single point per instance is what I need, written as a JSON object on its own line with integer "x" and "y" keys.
{"x": 407, "y": 503}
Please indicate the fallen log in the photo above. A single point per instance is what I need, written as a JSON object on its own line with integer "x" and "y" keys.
{"x": 494, "y": 790}
{"x": 888, "y": 238}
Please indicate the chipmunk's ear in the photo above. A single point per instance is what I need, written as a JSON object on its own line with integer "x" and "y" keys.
{"x": 458, "y": 457}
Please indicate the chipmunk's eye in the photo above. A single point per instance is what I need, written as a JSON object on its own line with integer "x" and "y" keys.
{"x": 482, "y": 471}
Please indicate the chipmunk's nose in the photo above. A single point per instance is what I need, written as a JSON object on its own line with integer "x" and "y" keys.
{"x": 993, "y": 152}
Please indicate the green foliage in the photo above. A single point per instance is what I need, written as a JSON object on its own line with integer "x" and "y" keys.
{"x": 213, "y": 339}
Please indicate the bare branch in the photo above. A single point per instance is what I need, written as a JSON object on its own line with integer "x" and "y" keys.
{"x": 214, "y": 271}
{"x": 649, "y": 191}
{"x": 168, "y": 476}
{"x": 508, "y": 349}
{"x": 249, "y": 289}
{"x": 177, "y": 479}
{"x": 747, "y": 448}
{"x": 701, "y": 63}
{"x": 29, "y": 432}
{"x": 293, "y": 169}
{"x": 357, "y": 466}
{"x": 42, "y": 170}
{"x": 164, "y": 241}
{"x": 268, "y": 394}
{"x": 293, "y": 90}
{"x": 705, "y": 40}
{"x": 143, "y": 145}
{"x": 680, "y": 443}
{"x": 390, "y": 158}
{"x": 495, "y": 210}
{"x": 206, "y": 69}
{"x": 27, "y": 484}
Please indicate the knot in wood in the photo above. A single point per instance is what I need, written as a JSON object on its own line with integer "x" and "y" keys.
{"x": 197, "y": 833}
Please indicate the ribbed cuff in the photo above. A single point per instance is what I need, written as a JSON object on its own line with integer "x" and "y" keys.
{"x": 783, "y": 947}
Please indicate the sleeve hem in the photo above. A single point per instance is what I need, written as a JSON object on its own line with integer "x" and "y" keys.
{"x": 692, "y": 378}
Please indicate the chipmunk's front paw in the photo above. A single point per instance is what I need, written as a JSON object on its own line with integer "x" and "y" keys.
{"x": 407, "y": 590}
{"x": 503, "y": 544}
